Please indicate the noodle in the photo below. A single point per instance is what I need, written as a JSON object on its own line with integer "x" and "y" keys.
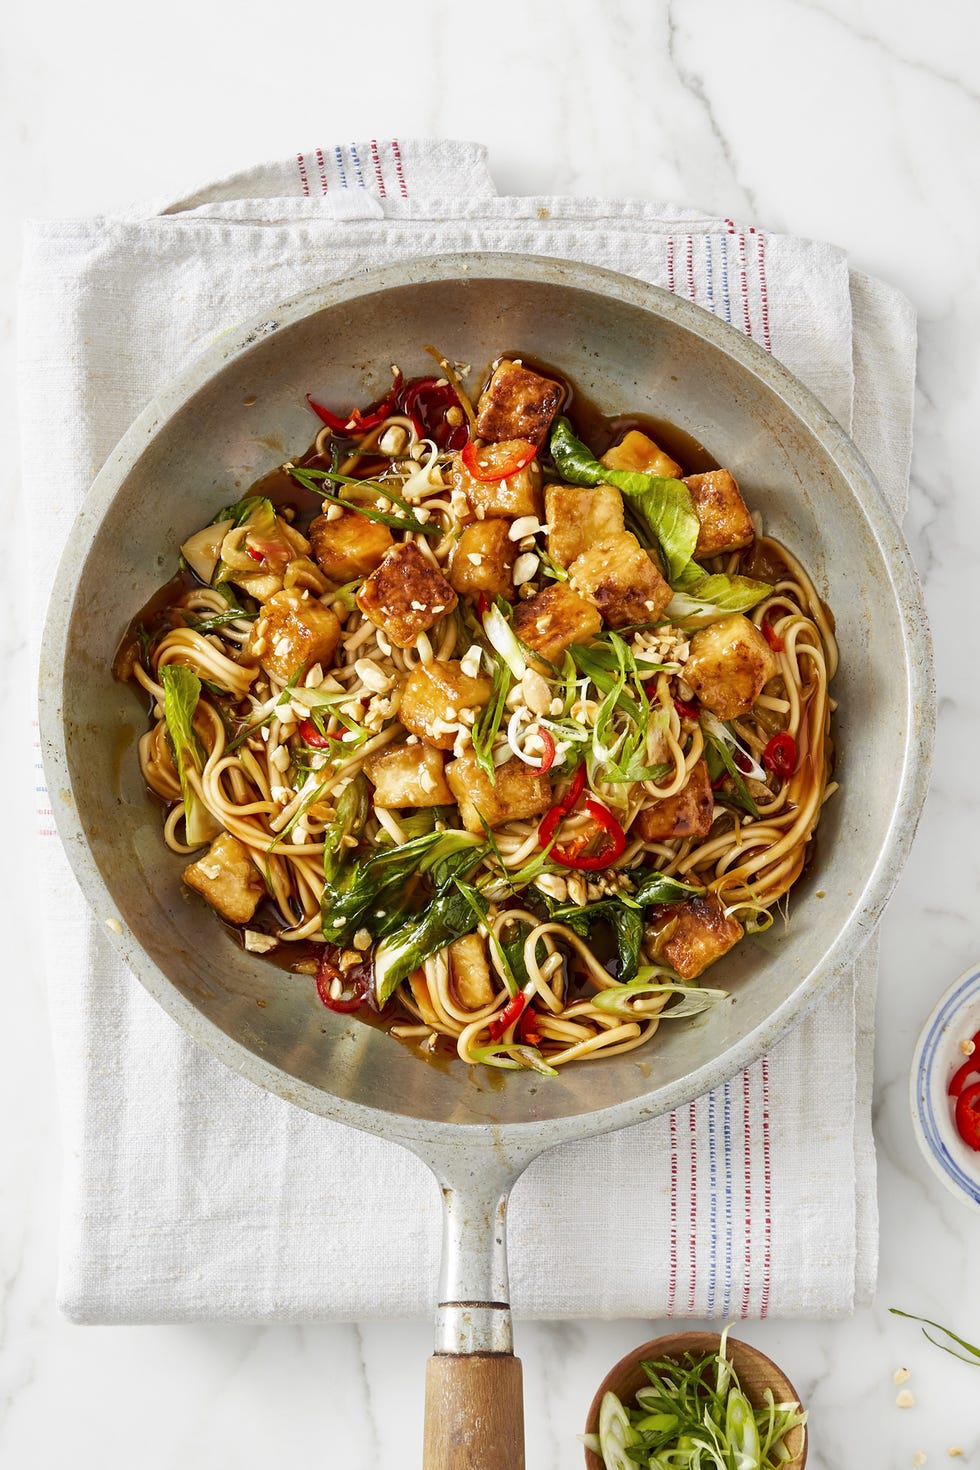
{"x": 619, "y": 810}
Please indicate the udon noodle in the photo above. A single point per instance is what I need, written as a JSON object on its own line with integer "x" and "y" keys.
{"x": 505, "y": 742}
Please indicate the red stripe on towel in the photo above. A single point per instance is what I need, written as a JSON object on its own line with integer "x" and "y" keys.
{"x": 399, "y": 171}
{"x": 689, "y": 257}
{"x": 766, "y": 1192}
{"x": 671, "y": 283}
{"x": 760, "y": 242}
{"x": 323, "y": 170}
{"x": 672, "y": 1282}
{"x": 376, "y": 160}
{"x": 301, "y": 164}
{"x": 744, "y": 282}
{"x": 747, "y": 1147}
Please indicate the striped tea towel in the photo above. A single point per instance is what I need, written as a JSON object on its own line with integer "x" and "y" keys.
{"x": 191, "y": 1195}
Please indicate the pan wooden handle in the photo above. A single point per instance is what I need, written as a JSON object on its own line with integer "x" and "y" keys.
{"x": 474, "y": 1412}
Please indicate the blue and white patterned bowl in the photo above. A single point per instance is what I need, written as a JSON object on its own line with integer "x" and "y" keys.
{"x": 955, "y": 1018}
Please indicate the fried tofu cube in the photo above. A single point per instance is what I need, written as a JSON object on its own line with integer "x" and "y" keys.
{"x": 405, "y": 595}
{"x": 471, "y": 972}
{"x": 228, "y": 879}
{"x": 729, "y": 664}
{"x": 725, "y": 521}
{"x": 433, "y": 697}
{"x": 408, "y": 775}
{"x": 553, "y": 619}
{"x": 578, "y": 516}
{"x": 622, "y": 580}
{"x": 484, "y": 560}
{"x": 518, "y": 495}
{"x": 348, "y": 545}
{"x": 519, "y": 791}
{"x": 517, "y": 404}
{"x": 690, "y": 936}
{"x": 294, "y": 632}
{"x": 688, "y": 814}
{"x": 637, "y": 451}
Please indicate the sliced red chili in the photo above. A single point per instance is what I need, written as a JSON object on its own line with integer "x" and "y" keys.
{"x": 254, "y": 553}
{"x": 685, "y": 710}
{"x": 548, "y": 741}
{"x": 427, "y": 401}
{"x": 358, "y": 422}
{"x": 613, "y": 848}
{"x": 779, "y": 755}
{"x": 483, "y": 604}
{"x": 528, "y": 1028}
{"x": 488, "y": 474}
{"x": 351, "y": 988}
{"x": 511, "y": 1012}
{"x": 968, "y": 1116}
{"x": 972, "y": 1064}
{"x": 772, "y": 637}
{"x": 553, "y": 817}
{"x": 309, "y": 732}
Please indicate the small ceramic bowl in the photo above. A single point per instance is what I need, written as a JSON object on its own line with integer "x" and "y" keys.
{"x": 937, "y": 1055}
{"x": 755, "y": 1373}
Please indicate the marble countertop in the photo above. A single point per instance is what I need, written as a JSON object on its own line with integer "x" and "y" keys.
{"x": 856, "y": 121}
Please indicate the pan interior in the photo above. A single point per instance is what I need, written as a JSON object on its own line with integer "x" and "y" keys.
{"x": 628, "y": 350}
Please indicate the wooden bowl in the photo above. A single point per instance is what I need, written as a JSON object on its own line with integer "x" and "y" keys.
{"x": 755, "y": 1372}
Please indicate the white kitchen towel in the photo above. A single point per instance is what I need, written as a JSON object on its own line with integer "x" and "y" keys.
{"x": 190, "y": 1194}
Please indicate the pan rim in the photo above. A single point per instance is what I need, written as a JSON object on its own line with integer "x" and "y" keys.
{"x": 903, "y": 586}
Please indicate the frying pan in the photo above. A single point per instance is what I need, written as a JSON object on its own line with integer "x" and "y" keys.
{"x": 237, "y": 413}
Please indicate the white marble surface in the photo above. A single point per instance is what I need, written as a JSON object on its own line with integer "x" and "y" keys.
{"x": 852, "y": 120}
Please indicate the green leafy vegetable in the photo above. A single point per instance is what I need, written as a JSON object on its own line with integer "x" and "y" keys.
{"x": 375, "y": 892}
{"x": 719, "y": 757}
{"x": 973, "y": 1359}
{"x": 182, "y": 690}
{"x": 664, "y": 504}
{"x": 350, "y": 813}
{"x": 711, "y": 597}
{"x": 446, "y": 917}
{"x": 694, "y": 1415}
{"x": 654, "y": 887}
{"x": 407, "y": 521}
{"x": 488, "y": 721}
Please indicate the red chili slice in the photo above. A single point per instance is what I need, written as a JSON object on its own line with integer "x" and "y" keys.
{"x": 527, "y": 1028}
{"x": 510, "y": 1013}
{"x": 779, "y": 755}
{"x": 614, "y": 847}
{"x": 356, "y": 422}
{"x": 353, "y": 985}
{"x": 972, "y": 1064}
{"x": 685, "y": 710}
{"x": 551, "y": 819}
{"x": 488, "y": 474}
{"x": 772, "y": 637}
{"x": 548, "y": 741}
{"x": 968, "y": 1116}
{"x": 254, "y": 553}
{"x": 309, "y": 732}
{"x": 426, "y": 401}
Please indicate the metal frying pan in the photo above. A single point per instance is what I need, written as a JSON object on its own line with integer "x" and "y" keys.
{"x": 627, "y": 346}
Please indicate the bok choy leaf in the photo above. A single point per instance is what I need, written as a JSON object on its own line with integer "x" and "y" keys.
{"x": 182, "y": 690}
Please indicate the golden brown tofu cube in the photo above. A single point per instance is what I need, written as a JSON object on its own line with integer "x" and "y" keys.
{"x": 484, "y": 560}
{"x": 518, "y": 495}
{"x": 690, "y": 936}
{"x": 519, "y": 791}
{"x": 725, "y": 521}
{"x": 294, "y": 632}
{"x": 471, "y": 972}
{"x": 433, "y": 697}
{"x": 729, "y": 665}
{"x": 517, "y": 404}
{"x": 554, "y": 618}
{"x": 228, "y": 879}
{"x": 638, "y": 452}
{"x": 408, "y": 775}
{"x": 578, "y": 516}
{"x": 349, "y": 545}
{"x": 622, "y": 580}
{"x": 405, "y": 595}
{"x": 688, "y": 814}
